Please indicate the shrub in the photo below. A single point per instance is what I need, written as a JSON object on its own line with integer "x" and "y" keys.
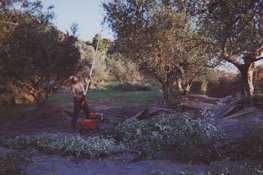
{"x": 69, "y": 145}
{"x": 122, "y": 69}
{"x": 131, "y": 87}
{"x": 190, "y": 139}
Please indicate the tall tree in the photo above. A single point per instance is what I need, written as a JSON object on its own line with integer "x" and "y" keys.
{"x": 34, "y": 54}
{"x": 104, "y": 43}
{"x": 159, "y": 36}
{"x": 87, "y": 50}
{"x": 236, "y": 26}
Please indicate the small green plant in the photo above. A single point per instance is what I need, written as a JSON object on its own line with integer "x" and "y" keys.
{"x": 69, "y": 145}
{"x": 14, "y": 163}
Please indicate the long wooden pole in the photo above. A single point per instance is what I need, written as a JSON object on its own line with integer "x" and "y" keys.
{"x": 94, "y": 60}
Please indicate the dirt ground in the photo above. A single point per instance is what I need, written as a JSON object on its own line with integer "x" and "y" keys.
{"x": 56, "y": 118}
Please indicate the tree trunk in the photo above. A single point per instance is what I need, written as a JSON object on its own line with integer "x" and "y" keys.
{"x": 188, "y": 87}
{"x": 247, "y": 74}
{"x": 183, "y": 89}
{"x": 166, "y": 94}
{"x": 179, "y": 86}
{"x": 204, "y": 87}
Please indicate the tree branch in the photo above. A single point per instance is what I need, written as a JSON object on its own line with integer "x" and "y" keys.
{"x": 8, "y": 22}
{"x": 260, "y": 58}
{"x": 232, "y": 60}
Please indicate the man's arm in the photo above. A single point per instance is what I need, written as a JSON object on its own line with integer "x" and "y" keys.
{"x": 83, "y": 89}
{"x": 87, "y": 81}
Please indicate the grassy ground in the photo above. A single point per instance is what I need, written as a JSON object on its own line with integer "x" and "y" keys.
{"x": 113, "y": 99}
{"x": 98, "y": 99}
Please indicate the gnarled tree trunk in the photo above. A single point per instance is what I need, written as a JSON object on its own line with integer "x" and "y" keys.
{"x": 166, "y": 93}
{"x": 247, "y": 70}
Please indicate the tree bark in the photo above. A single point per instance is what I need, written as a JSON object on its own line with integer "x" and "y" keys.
{"x": 179, "y": 86}
{"x": 183, "y": 89}
{"x": 166, "y": 94}
{"x": 188, "y": 87}
{"x": 247, "y": 73}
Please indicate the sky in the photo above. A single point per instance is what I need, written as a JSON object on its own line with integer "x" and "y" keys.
{"x": 88, "y": 14}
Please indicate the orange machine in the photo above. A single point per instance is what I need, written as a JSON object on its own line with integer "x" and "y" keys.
{"x": 95, "y": 121}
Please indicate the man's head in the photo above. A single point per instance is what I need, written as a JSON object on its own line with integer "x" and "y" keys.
{"x": 73, "y": 79}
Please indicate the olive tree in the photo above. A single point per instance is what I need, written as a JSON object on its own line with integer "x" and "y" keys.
{"x": 87, "y": 51}
{"x": 236, "y": 27}
{"x": 161, "y": 38}
{"x": 35, "y": 56}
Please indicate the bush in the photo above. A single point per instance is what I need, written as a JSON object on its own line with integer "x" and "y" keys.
{"x": 189, "y": 139}
{"x": 12, "y": 94}
{"x": 131, "y": 87}
{"x": 69, "y": 145}
{"x": 122, "y": 69}
{"x": 199, "y": 87}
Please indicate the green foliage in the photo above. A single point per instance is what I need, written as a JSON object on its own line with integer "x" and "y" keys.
{"x": 235, "y": 26}
{"x": 104, "y": 43}
{"x": 69, "y": 145}
{"x": 199, "y": 87}
{"x": 33, "y": 52}
{"x": 131, "y": 87}
{"x": 15, "y": 163}
{"x": 160, "y": 38}
{"x": 188, "y": 139}
{"x": 222, "y": 84}
{"x": 86, "y": 53}
{"x": 122, "y": 69}
{"x": 216, "y": 82}
{"x": 221, "y": 77}
{"x": 100, "y": 71}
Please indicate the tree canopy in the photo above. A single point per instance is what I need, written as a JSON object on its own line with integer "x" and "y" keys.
{"x": 161, "y": 38}
{"x": 34, "y": 54}
{"x": 236, "y": 28}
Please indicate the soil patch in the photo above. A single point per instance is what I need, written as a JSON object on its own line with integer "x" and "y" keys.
{"x": 56, "y": 118}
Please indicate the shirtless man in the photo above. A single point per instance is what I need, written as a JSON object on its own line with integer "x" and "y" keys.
{"x": 80, "y": 100}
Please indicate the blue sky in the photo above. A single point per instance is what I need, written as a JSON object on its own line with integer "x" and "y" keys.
{"x": 87, "y": 13}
